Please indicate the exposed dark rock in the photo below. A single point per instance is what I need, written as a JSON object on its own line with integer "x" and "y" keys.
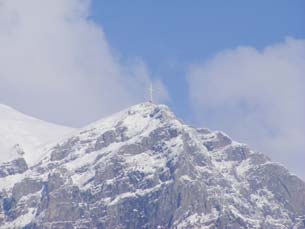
{"x": 13, "y": 167}
{"x": 220, "y": 140}
{"x": 62, "y": 151}
{"x": 25, "y": 187}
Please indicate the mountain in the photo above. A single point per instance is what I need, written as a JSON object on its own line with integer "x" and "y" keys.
{"x": 21, "y": 135}
{"x": 143, "y": 168}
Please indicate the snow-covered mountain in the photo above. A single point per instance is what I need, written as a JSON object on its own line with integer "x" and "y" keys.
{"x": 143, "y": 168}
{"x": 21, "y": 135}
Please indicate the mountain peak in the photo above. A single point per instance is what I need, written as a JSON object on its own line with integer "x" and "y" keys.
{"x": 150, "y": 109}
{"x": 136, "y": 118}
{"x": 143, "y": 168}
{"x": 153, "y": 110}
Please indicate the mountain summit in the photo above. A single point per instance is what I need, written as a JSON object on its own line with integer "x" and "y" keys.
{"x": 143, "y": 168}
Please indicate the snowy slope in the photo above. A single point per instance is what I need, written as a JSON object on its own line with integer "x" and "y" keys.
{"x": 21, "y": 135}
{"x": 143, "y": 168}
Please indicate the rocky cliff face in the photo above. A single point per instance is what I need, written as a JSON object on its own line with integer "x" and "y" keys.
{"x": 143, "y": 168}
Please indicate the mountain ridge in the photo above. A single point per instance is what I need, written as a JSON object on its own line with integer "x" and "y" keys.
{"x": 144, "y": 168}
{"x": 26, "y": 135}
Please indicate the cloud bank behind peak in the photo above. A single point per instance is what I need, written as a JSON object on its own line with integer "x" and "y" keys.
{"x": 257, "y": 97}
{"x": 56, "y": 63}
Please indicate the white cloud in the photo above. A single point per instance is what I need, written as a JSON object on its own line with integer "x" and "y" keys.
{"x": 56, "y": 63}
{"x": 257, "y": 97}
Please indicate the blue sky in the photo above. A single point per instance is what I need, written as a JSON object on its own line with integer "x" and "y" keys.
{"x": 172, "y": 34}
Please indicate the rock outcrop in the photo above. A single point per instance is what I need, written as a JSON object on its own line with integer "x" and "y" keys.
{"x": 143, "y": 168}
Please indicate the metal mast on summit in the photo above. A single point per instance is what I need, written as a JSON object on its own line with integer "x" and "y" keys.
{"x": 151, "y": 93}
